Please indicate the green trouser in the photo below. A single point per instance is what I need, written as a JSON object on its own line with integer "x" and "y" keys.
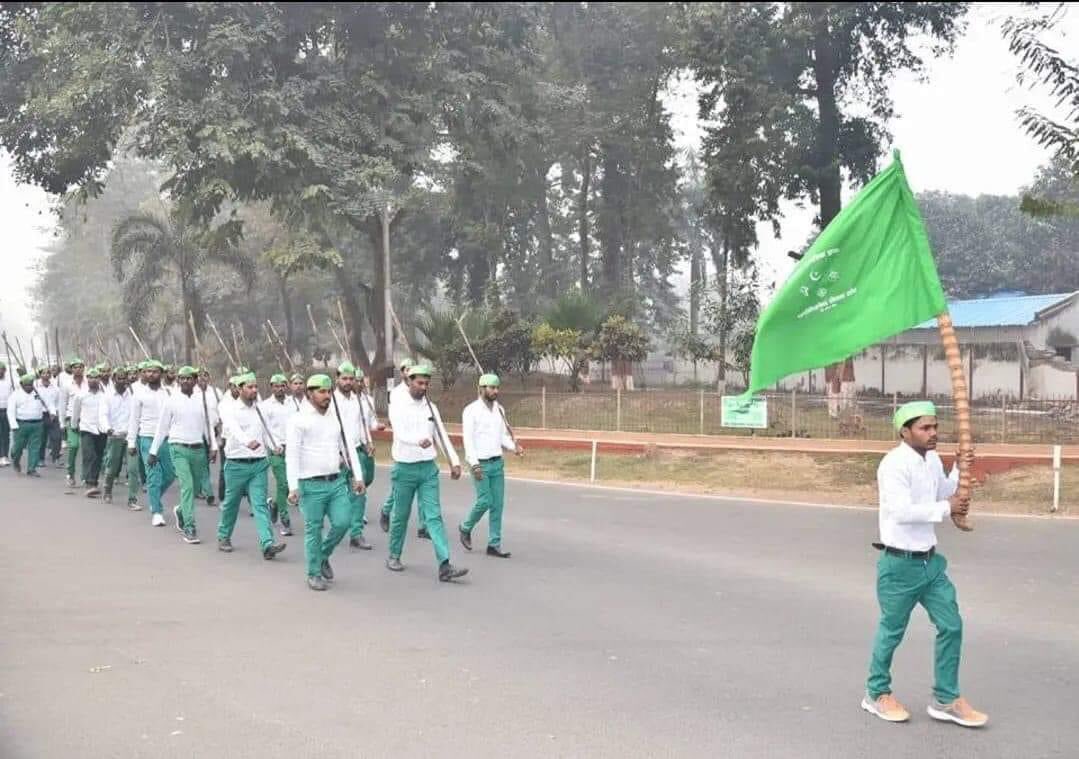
{"x": 490, "y": 496}
{"x": 72, "y": 450}
{"x": 246, "y": 477}
{"x": 116, "y": 455}
{"x": 320, "y": 499}
{"x": 419, "y": 480}
{"x": 901, "y": 584}
{"x": 359, "y": 502}
{"x": 387, "y": 507}
{"x": 93, "y": 455}
{"x": 280, "y": 481}
{"x": 203, "y": 486}
{"x": 188, "y": 463}
{"x": 28, "y": 436}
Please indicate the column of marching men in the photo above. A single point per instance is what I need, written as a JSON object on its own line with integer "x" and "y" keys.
{"x": 152, "y": 426}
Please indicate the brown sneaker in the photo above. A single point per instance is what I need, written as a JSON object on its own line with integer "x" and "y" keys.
{"x": 959, "y": 712}
{"x": 887, "y": 707}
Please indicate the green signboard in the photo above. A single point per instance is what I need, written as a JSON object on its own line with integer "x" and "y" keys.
{"x": 744, "y": 413}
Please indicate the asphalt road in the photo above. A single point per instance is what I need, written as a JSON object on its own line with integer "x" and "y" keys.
{"x": 625, "y": 625}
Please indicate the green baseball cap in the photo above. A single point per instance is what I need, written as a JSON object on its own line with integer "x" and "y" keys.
{"x": 406, "y": 363}
{"x": 490, "y": 380}
{"x": 420, "y": 370}
{"x": 346, "y": 369}
{"x": 246, "y": 379}
{"x": 26, "y": 379}
{"x": 913, "y": 410}
{"x": 319, "y": 382}
{"x": 93, "y": 374}
{"x": 187, "y": 371}
{"x": 278, "y": 379}
{"x": 154, "y": 364}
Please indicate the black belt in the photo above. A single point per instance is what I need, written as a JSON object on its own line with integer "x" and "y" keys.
{"x": 195, "y": 446}
{"x": 488, "y": 461}
{"x": 905, "y": 554}
{"x": 247, "y": 461}
{"x": 321, "y": 478}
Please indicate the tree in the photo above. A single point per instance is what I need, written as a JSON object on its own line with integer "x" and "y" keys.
{"x": 148, "y": 250}
{"x": 442, "y": 344}
{"x": 623, "y": 344}
{"x": 568, "y": 346}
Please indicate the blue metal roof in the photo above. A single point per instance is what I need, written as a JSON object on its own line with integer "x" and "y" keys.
{"x": 1005, "y": 310}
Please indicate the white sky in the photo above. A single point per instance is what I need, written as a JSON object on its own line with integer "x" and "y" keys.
{"x": 957, "y": 132}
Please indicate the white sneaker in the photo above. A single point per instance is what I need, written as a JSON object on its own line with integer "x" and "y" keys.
{"x": 157, "y": 520}
{"x": 5, "y": 462}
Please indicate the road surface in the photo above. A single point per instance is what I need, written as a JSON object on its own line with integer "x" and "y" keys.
{"x": 625, "y": 625}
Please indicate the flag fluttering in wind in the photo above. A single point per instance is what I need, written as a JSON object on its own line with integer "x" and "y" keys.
{"x": 868, "y": 276}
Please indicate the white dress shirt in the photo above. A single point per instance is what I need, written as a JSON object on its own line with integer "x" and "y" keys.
{"x": 356, "y": 416}
{"x": 146, "y": 408}
{"x": 213, "y": 402}
{"x": 25, "y": 407}
{"x": 6, "y": 389}
{"x": 914, "y": 496}
{"x": 241, "y": 425}
{"x": 412, "y": 421}
{"x": 51, "y": 394}
{"x": 182, "y": 421}
{"x": 277, "y": 413}
{"x": 68, "y": 391}
{"x": 119, "y": 411}
{"x": 314, "y": 448}
{"x": 90, "y": 412}
{"x": 484, "y": 431}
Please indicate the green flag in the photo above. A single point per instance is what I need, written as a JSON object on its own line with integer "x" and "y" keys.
{"x": 868, "y": 276}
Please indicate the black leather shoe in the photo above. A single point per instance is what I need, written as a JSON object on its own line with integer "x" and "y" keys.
{"x": 327, "y": 570}
{"x": 466, "y": 538}
{"x": 224, "y": 545}
{"x": 273, "y": 550}
{"x": 384, "y": 522}
{"x": 496, "y": 551}
{"x": 447, "y": 572}
{"x": 273, "y": 513}
{"x": 359, "y": 543}
{"x": 423, "y": 534}
{"x": 394, "y": 564}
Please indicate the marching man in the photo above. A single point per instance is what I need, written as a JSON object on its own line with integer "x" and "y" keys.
{"x": 418, "y": 432}
{"x": 915, "y": 495}
{"x": 316, "y": 444}
{"x": 486, "y": 433}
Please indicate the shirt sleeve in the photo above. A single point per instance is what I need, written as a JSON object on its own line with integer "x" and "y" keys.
{"x": 103, "y": 414}
{"x": 164, "y": 424}
{"x": 948, "y": 484}
{"x": 133, "y": 421}
{"x": 507, "y": 437}
{"x": 293, "y": 441}
{"x": 896, "y": 502}
{"x": 76, "y": 412}
{"x": 12, "y": 405}
{"x": 468, "y": 431}
{"x": 63, "y": 404}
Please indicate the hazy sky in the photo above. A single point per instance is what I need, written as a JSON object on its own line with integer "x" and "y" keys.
{"x": 957, "y": 132}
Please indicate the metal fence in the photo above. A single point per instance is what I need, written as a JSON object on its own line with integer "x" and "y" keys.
{"x": 791, "y": 413}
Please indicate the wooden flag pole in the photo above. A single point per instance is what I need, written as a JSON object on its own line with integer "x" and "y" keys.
{"x": 284, "y": 348}
{"x": 965, "y": 448}
{"x": 221, "y": 340}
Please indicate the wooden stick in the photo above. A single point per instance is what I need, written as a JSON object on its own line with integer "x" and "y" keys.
{"x": 56, "y": 344}
{"x": 344, "y": 324}
{"x": 22, "y": 358}
{"x": 139, "y": 342}
{"x": 273, "y": 345}
{"x": 284, "y": 348}
{"x": 340, "y": 345}
{"x": 468, "y": 344}
{"x": 47, "y": 362}
{"x": 199, "y": 357}
{"x": 965, "y": 445}
{"x": 221, "y": 340}
{"x": 120, "y": 351}
{"x": 236, "y": 345}
{"x": 33, "y": 354}
{"x": 400, "y": 332}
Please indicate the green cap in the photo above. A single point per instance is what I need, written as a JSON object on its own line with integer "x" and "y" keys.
{"x": 103, "y": 367}
{"x": 154, "y": 364}
{"x": 913, "y": 410}
{"x": 76, "y": 361}
{"x": 3, "y": 365}
{"x": 234, "y": 379}
{"x": 93, "y": 374}
{"x": 420, "y": 370}
{"x": 27, "y": 379}
{"x": 346, "y": 370}
{"x": 319, "y": 382}
{"x": 187, "y": 371}
{"x": 278, "y": 379}
{"x": 490, "y": 380}
{"x": 406, "y": 363}
{"x": 246, "y": 379}
{"x": 296, "y": 376}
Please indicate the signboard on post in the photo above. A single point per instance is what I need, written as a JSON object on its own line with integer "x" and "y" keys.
{"x": 745, "y": 414}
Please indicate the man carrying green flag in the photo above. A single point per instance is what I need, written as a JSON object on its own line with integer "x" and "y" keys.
{"x": 869, "y": 276}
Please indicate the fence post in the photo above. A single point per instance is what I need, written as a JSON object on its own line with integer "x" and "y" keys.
{"x": 701, "y": 428}
{"x": 543, "y": 407}
{"x": 1056, "y": 478}
{"x": 895, "y": 403}
{"x": 618, "y": 410}
{"x": 1004, "y": 419}
{"x": 794, "y": 413}
{"x": 592, "y": 476}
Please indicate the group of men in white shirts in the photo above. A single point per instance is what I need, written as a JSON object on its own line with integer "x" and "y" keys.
{"x": 315, "y": 435}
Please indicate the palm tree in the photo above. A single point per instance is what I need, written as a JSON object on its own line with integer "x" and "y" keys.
{"x": 441, "y": 343}
{"x": 150, "y": 252}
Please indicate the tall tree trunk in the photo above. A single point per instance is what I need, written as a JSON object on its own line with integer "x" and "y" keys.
{"x": 612, "y": 222}
{"x": 723, "y": 279}
{"x": 548, "y": 280}
{"x": 582, "y": 215}
{"x": 286, "y": 308}
{"x": 354, "y": 313}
